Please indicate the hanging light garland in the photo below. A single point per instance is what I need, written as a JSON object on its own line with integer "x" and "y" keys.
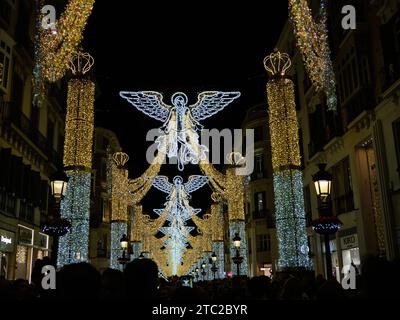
{"x": 287, "y": 176}
{"x": 312, "y": 41}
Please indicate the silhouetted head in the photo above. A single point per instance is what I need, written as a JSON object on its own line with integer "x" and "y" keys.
{"x": 112, "y": 284}
{"x": 78, "y": 281}
{"x": 141, "y": 278}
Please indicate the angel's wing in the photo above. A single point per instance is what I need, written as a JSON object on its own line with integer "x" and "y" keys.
{"x": 210, "y": 102}
{"x": 162, "y": 184}
{"x": 195, "y": 182}
{"x": 148, "y": 102}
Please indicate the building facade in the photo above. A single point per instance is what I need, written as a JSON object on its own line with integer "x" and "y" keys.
{"x": 259, "y": 207}
{"x": 105, "y": 142}
{"x": 360, "y": 142}
{"x": 31, "y": 144}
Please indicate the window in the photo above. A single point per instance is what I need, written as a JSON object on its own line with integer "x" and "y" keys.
{"x": 105, "y": 143}
{"x": 260, "y": 201}
{"x": 50, "y": 132}
{"x": 260, "y": 207}
{"x": 396, "y": 133}
{"x": 342, "y": 190}
{"x": 105, "y": 209}
{"x": 263, "y": 242}
{"x": 5, "y": 58}
{"x": 258, "y": 134}
{"x": 307, "y": 205}
{"x": 259, "y": 163}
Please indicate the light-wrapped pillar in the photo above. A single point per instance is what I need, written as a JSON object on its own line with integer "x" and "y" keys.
{"x": 74, "y": 246}
{"x": 119, "y": 206}
{"x": 217, "y": 226}
{"x": 78, "y": 162}
{"x": 136, "y": 231}
{"x": 287, "y": 176}
{"x": 235, "y": 198}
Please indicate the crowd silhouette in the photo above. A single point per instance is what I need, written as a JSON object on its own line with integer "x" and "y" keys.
{"x": 378, "y": 279}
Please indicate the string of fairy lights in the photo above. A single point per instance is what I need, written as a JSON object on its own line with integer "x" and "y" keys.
{"x": 55, "y": 47}
{"x": 312, "y": 40}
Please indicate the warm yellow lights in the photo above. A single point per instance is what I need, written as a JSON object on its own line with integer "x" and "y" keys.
{"x": 119, "y": 188}
{"x": 283, "y": 124}
{"x": 59, "y": 45}
{"x": 79, "y": 124}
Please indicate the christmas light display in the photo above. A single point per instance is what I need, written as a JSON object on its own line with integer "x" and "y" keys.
{"x": 312, "y": 41}
{"x": 73, "y": 247}
{"x": 58, "y": 47}
{"x": 238, "y": 226}
{"x": 217, "y": 225}
{"x": 180, "y": 211}
{"x": 78, "y": 144}
{"x": 119, "y": 205}
{"x": 118, "y": 229}
{"x": 287, "y": 176}
{"x": 79, "y": 121}
{"x": 180, "y": 120}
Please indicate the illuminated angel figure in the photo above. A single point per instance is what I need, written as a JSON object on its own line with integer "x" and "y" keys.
{"x": 180, "y": 120}
{"x": 179, "y": 195}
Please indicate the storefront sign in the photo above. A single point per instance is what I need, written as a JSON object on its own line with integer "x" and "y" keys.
{"x": 349, "y": 242}
{"x": 7, "y": 239}
{"x": 25, "y": 236}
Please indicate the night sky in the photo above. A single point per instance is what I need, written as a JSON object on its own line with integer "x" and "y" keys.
{"x": 171, "y": 46}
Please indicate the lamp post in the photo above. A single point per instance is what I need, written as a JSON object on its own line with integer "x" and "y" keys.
{"x": 327, "y": 223}
{"x": 237, "y": 259}
{"x": 214, "y": 268}
{"x": 124, "y": 246}
{"x": 55, "y": 226}
{"x": 197, "y": 274}
{"x": 203, "y": 270}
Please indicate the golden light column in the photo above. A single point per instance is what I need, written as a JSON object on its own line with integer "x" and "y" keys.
{"x": 119, "y": 205}
{"x": 287, "y": 175}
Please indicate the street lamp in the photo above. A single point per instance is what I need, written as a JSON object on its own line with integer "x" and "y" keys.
{"x": 237, "y": 259}
{"x": 197, "y": 274}
{"x": 124, "y": 246}
{"x": 203, "y": 270}
{"x": 327, "y": 223}
{"x": 56, "y": 226}
{"x": 58, "y": 186}
{"x": 214, "y": 267}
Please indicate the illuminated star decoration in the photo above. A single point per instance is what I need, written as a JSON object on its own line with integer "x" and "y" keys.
{"x": 180, "y": 120}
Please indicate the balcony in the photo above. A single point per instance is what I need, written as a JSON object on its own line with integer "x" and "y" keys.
{"x": 344, "y": 203}
{"x": 262, "y": 214}
{"x": 10, "y": 113}
{"x": 259, "y": 175}
{"x": 26, "y": 211}
{"x": 359, "y": 102}
{"x": 7, "y": 203}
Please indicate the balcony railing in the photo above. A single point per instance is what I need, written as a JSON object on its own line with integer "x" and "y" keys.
{"x": 262, "y": 214}
{"x": 10, "y": 113}
{"x": 259, "y": 175}
{"x": 26, "y": 211}
{"x": 344, "y": 203}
